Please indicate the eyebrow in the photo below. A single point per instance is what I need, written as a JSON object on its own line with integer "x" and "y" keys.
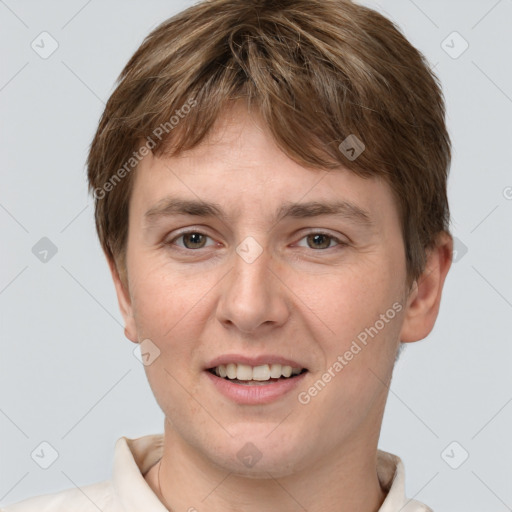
{"x": 173, "y": 206}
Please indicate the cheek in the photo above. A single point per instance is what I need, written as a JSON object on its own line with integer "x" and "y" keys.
{"x": 363, "y": 311}
{"x": 348, "y": 303}
{"x": 165, "y": 299}
{"x": 169, "y": 311}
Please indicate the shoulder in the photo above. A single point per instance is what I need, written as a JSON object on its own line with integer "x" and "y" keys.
{"x": 89, "y": 498}
{"x": 391, "y": 473}
{"x": 415, "y": 506}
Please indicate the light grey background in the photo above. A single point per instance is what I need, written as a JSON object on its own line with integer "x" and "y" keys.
{"x": 67, "y": 374}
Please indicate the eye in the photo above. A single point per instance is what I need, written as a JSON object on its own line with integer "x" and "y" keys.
{"x": 318, "y": 240}
{"x": 191, "y": 240}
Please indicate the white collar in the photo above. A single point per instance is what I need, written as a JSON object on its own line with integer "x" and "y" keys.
{"x": 134, "y": 457}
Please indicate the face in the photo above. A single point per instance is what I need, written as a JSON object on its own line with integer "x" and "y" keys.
{"x": 264, "y": 275}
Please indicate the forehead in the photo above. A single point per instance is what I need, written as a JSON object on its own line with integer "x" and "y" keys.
{"x": 239, "y": 168}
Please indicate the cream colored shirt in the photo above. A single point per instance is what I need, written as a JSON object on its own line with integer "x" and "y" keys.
{"x": 127, "y": 491}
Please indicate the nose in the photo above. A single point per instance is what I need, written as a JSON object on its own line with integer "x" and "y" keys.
{"x": 253, "y": 297}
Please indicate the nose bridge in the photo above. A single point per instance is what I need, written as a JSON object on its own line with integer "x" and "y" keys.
{"x": 252, "y": 295}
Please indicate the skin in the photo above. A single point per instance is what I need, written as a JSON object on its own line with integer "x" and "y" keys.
{"x": 295, "y": 300}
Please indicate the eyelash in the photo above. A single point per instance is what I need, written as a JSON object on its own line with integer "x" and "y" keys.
{"x": 339, "y": 242}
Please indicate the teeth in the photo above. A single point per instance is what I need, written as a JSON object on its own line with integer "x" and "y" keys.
{"x": 243, "y": 372}
{"x": 231, "y": 370}
{"x": 275, "y": 371}
{"x": 260, "y": 373}
{"x": 286, "y": 371}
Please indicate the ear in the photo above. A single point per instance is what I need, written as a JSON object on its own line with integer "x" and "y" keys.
{"x": 425, "y": 295}
{"x": 124, "y": 301}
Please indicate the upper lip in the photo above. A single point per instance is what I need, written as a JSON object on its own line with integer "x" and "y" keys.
{"x": 253, "y": 361}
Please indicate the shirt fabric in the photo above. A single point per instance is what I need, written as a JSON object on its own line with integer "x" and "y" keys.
{"x": 127, "y": 491}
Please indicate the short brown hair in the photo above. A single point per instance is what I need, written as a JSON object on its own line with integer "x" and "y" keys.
{"x": 318, "y": 71}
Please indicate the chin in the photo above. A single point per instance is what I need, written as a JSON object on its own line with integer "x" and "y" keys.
{"x": 257, "y": 456}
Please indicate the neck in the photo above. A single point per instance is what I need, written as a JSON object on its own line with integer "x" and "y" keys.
{"x": 345, "y": 480}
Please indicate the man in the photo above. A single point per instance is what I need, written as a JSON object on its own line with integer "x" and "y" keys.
{"x": 270, "y": 187}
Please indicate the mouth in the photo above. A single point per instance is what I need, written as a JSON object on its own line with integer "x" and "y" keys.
{"x": 263, "y": 374}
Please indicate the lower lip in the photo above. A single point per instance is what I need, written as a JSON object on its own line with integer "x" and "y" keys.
{"x": 254, "y": 394}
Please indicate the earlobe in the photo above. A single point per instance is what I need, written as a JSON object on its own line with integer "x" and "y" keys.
{"x": 125, "y": 303}
{"x": 425, "y": 297}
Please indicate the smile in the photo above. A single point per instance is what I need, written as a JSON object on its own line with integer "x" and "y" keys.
{"x": 256, "y": 385}
{"x": 246, "y": 374}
